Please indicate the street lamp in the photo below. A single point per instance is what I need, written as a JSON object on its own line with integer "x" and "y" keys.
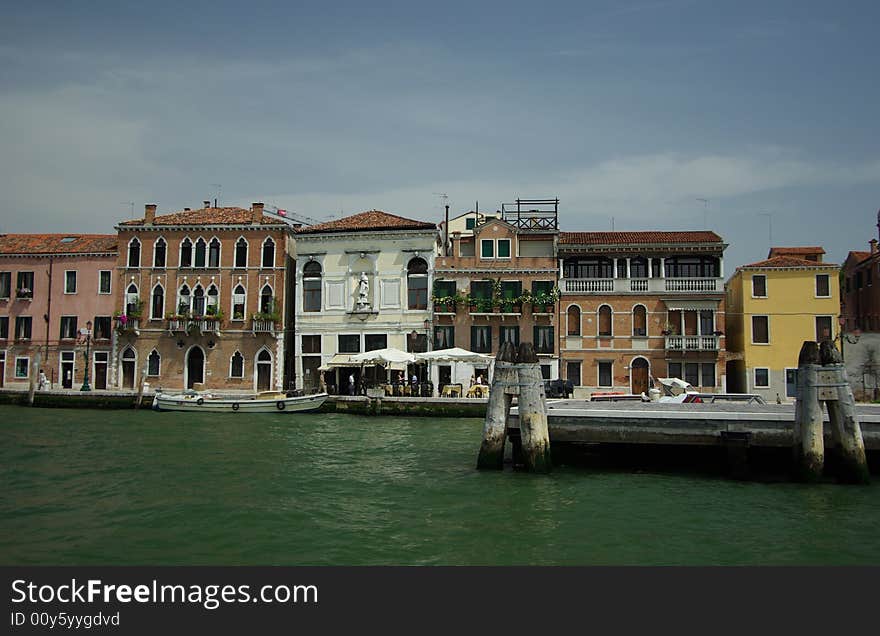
{"x": 85, "y": 386}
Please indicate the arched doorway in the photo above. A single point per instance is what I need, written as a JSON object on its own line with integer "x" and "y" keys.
{"x": 264, "y": 371}
{"x": 195, "y": 367}
{"x": 128, "y": 368}
{"x": 639, "y": 371}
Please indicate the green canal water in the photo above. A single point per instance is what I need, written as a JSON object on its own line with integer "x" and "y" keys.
{"x": 118, "y": 487}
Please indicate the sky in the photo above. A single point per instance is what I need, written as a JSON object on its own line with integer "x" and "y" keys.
{"x": 758, "y": 120}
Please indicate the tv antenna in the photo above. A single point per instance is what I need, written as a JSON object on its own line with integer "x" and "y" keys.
{"x": 705, "y": 211}
{"x": 219, "y": 190}
{"x": 442, "y": 195}
{"x": 130, "y": 204}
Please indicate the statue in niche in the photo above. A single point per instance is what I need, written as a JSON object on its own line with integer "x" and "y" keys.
{"x": 363, "y": 292}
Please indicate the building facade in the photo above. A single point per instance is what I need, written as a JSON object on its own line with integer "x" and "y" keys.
{"x": 641, "y": 305}
{"x": 774, "y": 306}
{"x": 495, "y": 283}
{"x": 201, "y": 300}
{"x": 362, "y": 283}
{"x": 57, "y": 299}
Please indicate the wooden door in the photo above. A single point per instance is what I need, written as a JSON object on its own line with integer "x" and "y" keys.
{"x": 639, "y": 376}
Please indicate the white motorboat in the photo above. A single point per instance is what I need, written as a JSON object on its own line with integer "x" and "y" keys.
{"x": 265, "y": 402}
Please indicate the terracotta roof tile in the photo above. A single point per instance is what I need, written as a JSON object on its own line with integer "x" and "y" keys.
{"x": 366, "y": 221}
{"x": 636, "y": 238}
{"x": 794, "y": 251}
{"x": 57, "y": 243}
{"x": 208, "y": 216}
{"x": 788, "y": 261}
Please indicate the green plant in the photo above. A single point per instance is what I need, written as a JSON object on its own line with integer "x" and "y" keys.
{"x": 214, "y": 312}
{"x": 267, "y": 316}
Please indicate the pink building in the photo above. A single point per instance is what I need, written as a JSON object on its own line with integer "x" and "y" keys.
{"x": 52, "y": 287}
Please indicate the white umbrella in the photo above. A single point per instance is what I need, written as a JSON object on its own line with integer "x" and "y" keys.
{"x": 456, "y": 354}
{"x": 383, "y": 356}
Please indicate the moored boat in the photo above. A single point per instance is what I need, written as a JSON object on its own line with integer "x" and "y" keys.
{"x": 265, "y": 402}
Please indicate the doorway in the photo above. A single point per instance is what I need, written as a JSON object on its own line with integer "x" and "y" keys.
{"x": 100, "y": 374}
{"x": 195, "y": 367}
{"x": 128, "y": 367}
{"x": 639, "y": 376}
{"x": 67, "y": 369}
{"x": 264, "y": 371}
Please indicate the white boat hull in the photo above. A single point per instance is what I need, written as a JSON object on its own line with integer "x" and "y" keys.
{"x": 163, "y": 402}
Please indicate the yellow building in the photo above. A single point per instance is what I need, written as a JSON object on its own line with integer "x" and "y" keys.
{"x": 773, "y": 306}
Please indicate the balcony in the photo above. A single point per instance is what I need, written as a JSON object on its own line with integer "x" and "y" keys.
{"x": 640, "y": 285}
{"x": 129, "y": 325}
{"x": 193, "y": 325}
{"x": 692, "y": 343}
{"x": 263, "y": 326}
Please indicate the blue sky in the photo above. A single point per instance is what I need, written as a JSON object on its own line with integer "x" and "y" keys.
{"x": 631, "y": 110}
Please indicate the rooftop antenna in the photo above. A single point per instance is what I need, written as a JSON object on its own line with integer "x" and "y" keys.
{"x": 612, "y": 223}
{"x": 442, "y": 195}
{"x": 219, "y": 190}
{"x": 130, "y": 204}
{"x": 705, "y": 211}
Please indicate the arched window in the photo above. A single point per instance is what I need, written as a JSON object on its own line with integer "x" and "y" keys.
{"x": 159, "y": 252}
{"x": 154, "y": 363}
{"x": 241, "y": 252}
{"x": 312, "y": 286}
{"x": 201, "y": 247}
{"x": 605, "y": 320}
{"x": 198, "y": 305}
{"x": 213, "y": 300}
{"x": 239, "y": 302}
{"x": 640, "y": 321}
{"x": 574, "y": 320}
{"x": 134, "y": 253}
{"x": 132, "y": 300}
{"x": 267, "y": 303}
{"x": 214, "y": 253}
{"x": 417, "y": 284}
{"x": 184, "y": 301}
{"x": 157, "y": 311}
{"x": 236, "y": 365}
{"x": 268, "y": 253}
{"x": 186, "y": 253}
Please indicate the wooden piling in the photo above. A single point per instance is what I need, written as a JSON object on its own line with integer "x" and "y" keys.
{"x": 491, "y": 455}
{"x": 35, "y": 372}
{"x": 532, "y": 404}
{"x": 140, "y": 396}
{"x": 852, "y": 465}
{"x": 809, "y": 444}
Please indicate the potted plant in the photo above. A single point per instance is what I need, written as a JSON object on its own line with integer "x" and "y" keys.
{"x": 669, "y": 329}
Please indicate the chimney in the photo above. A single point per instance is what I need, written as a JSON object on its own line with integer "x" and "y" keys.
{"x": 149, "y": 213}
{"x": 186, "y": 209}
{"x": 873, "y": 243}
{"x": 207, "y": 203}
{"x": 256, "y": 213}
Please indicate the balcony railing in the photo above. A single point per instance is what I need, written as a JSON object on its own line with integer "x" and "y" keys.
{"x": 204, "y": 325}
{"x": 263, "y": 326}
{"x": 692, "y": 343}
{"x": 640, "y": 285}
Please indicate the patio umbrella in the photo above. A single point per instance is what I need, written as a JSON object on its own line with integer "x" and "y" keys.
{"x": 455, "y": 355}
{"x": 383, "y": 357}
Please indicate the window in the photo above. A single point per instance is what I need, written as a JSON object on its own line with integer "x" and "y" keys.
{"x": 22, "y": 366}
{"x": 198, "y": 301}
{"x": 546, "y": 371}
{"x": 104, "y": 281}
{"x": 70, "y": 282}
{"x": 444, "y": 337}
{"x": 102, "y": 328}
{"x": 268, "y": 253}
{"x": 157, "y": 310}
{"x": 159, "y": 250}
{"x": 417, "y": 284}
{"x": 375, "y": 341}
{"x": 236, "y": 365}
{"x": 241, "y": 252}
{"x": 444, "y": 288}
{"x": 4, "y": 327}
{"x": 638, "y": 267}
{"x": 184, "y": 301}
{"x": 543, "y": 339}
{"x": 416, "y": 342}
{"x": 68, "y": 327}
{"x": 23, "y": 327}
{"x": 267, "y": 302}
{"x": 673, "y": 369}
{"x": 692, "y": 267}
{"x": 312, "y": 286}
{"x": 213, "y": 300}
{"x": 239, "y": 298}
{"x": 503, "y": 248}
{"x": 823, "y": 328}
{"x": 511, "y": 290}
{"x": 214, "y": 253}
{"x": 5, "y": 284}
{"x": 186, "y": 253}
{"x": 24, "y": 287}
{"x": 349, "y": 343}
{"x": 201, "y": 248}
{"x": 605, "y": 319}
{"x": 574, "y": 320}
{"x": 311, "y": 344}
{"x": 605, "y": 374}
{"x": 481, "y": 339}
{"x": 134, "y": 253}
{"x": 487, "y": 248}
{"x": 621, "y": 268}
{"x": 154, "y": 362}
{"x": 509, "y": 334}
{"x": 542, "y": 287}
{"x": 640, "y": 321}
{"x": 759, "y": 286}
{"x": 762, "y": 378}
{"x": 481, "y": 295}
{"x": 588, "y": 267}
{"x": 692, "y": 373}
{"x": 760, "y": 330}
{"x": 791, "y": 383}
{"x": 573, "y": 372}
{"x": 470, "y": 223}
{"x": 822, "y": 286}
{"x": 707, "y": 374}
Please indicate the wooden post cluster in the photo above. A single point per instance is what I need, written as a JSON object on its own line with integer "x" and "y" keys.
{"x": 822, "y": 378}
{"x": 517, "y": 373}
{"x": 35, "y": 372}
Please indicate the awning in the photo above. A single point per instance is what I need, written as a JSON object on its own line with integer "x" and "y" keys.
{"x": 679, "y": 304}
{"x": 339, "y": 360}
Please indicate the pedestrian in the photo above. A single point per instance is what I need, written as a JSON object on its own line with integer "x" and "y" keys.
{"x": 351, "y": 384}
{"x": 43, "y": 381}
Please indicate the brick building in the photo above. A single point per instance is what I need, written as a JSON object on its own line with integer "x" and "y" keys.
{"x": 641, "y": 305}
{"x": 52, "y": 288}
{"x": 201, "y": 300}
{"x": 860, "y": 296}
